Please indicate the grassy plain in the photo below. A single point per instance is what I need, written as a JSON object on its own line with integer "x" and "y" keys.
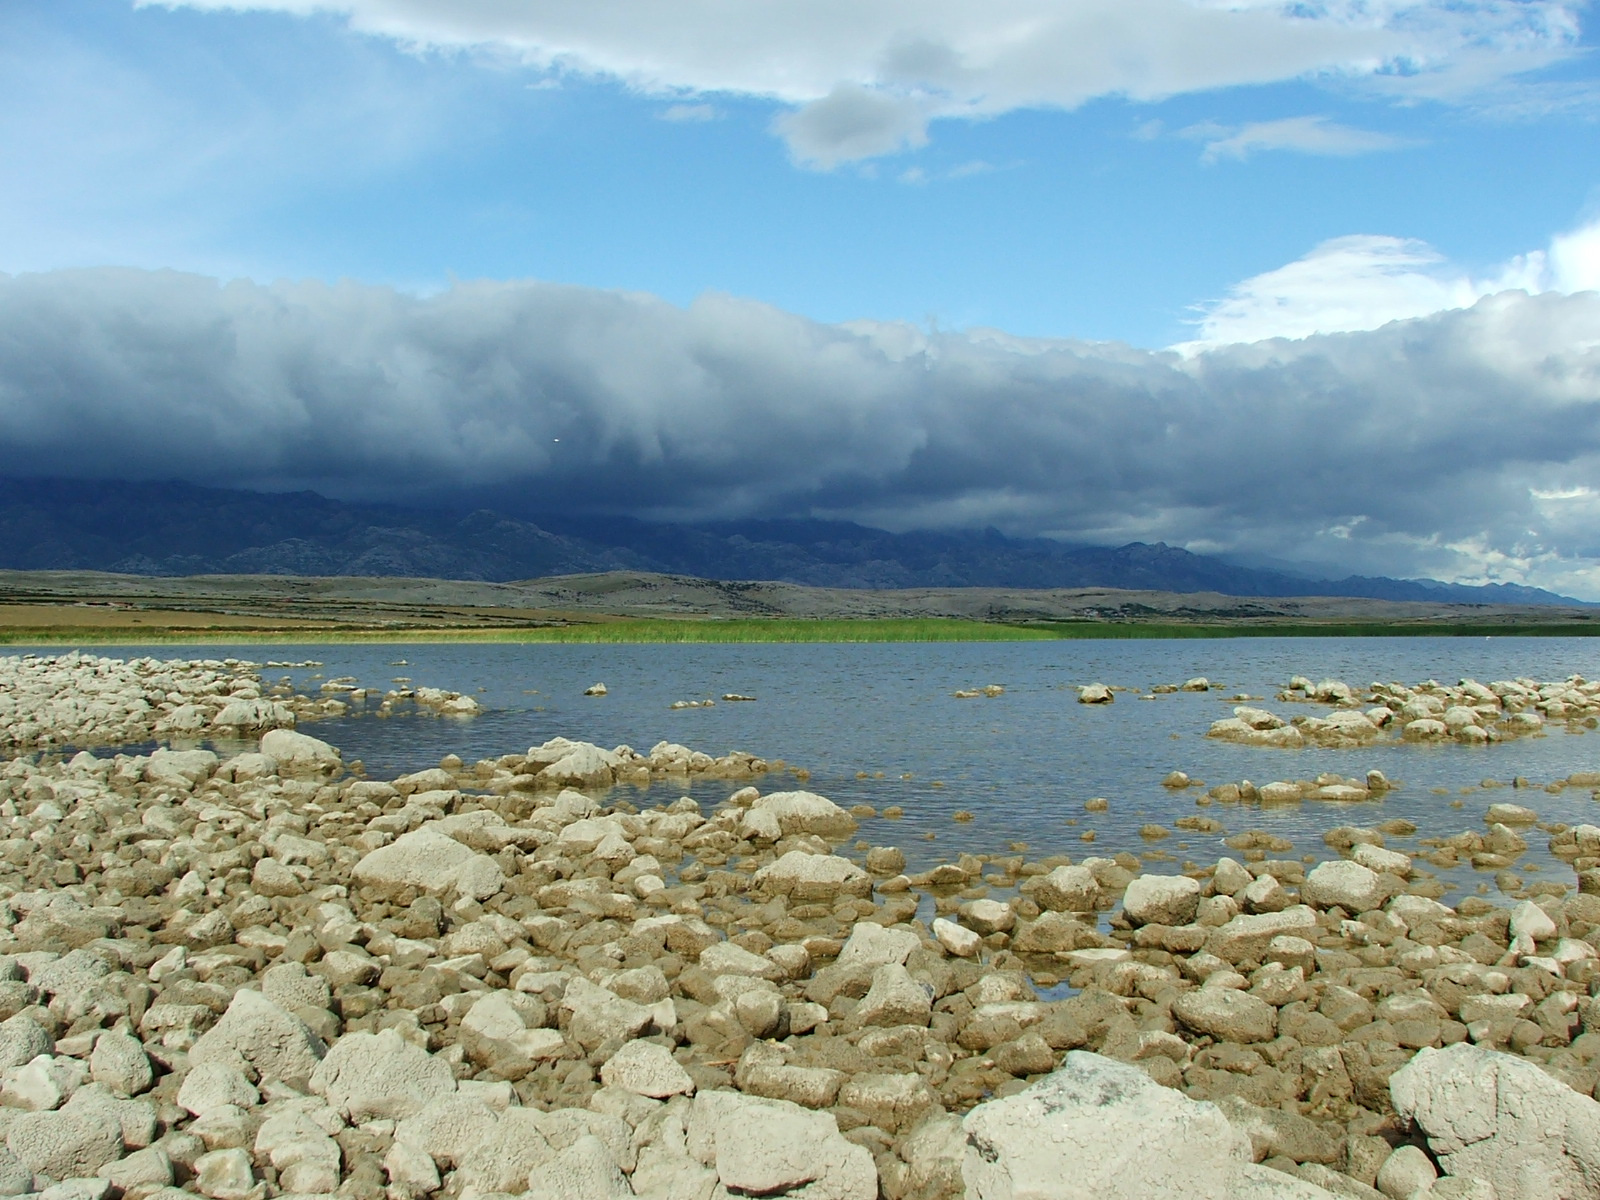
{"x": 156, "y": 628}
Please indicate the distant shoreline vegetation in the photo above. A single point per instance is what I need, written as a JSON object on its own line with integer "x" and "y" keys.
{"x": 778, "y": 630}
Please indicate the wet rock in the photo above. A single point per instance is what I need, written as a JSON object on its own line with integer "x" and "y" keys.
{"x": 1065, "y": 889}
{"x": 963, "y": 943}
{"x": 806, "y": 812}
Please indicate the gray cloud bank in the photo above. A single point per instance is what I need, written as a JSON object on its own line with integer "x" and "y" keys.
{"x": 1463, "y": 445}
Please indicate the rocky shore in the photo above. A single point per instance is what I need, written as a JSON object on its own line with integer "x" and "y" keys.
{"x": 261, "y": 974}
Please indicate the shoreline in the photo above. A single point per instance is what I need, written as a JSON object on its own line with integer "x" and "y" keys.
{"x": 557, "y": 961}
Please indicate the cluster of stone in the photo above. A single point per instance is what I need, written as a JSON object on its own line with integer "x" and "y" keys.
{"x": 1469, "y": 712}
{"x": 80, "y": 699}
{"x": 267, "y": 976}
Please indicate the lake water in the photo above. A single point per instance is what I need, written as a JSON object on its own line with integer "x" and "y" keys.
{"x": 1022, "y": 763}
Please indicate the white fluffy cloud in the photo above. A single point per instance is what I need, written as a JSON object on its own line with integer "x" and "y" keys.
{"x": 1365, "y": 281}
{"x": 944, "y": 58}
{"x": 1460, "y": 445}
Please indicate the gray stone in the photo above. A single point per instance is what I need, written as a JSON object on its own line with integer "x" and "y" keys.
{"x": 1345, "y": 884}
{"x": 599, "y": 1015}
{"x": 806, "y": 812}
{"x": 299, "y": 752}
{"x": 263, "y": 1037}
{"x": 808, "y": 878}
{"x": 211, "y": 1085}
{"x": 22, "y": 1039}
{"x": 1226, "y": 1014}
{"x": 426, "y": 861}
{"x": 1502, "y": 1119}
{"x": 585, "y": 1170}
{"x": 647, "y": 1069}
{"x": 872, "y": 945}
{"x": 1100, "y": 1130}
{"x": 380, "y": 1077}
{"x": 65, "y": 1144}
{"x": 1161, "y": 900}
{"x": 119, "y": 1062}
{"x": 763, "y": 1147}
{"x": 1405, "y": 1172}
{"x": 895, "y": 998}
{"x": 1066, "y": 889}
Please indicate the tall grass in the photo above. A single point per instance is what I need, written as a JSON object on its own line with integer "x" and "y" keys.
{"x": 778, "y": 629}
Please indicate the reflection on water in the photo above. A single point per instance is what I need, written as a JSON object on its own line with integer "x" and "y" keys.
{"x": 878, "y": 724}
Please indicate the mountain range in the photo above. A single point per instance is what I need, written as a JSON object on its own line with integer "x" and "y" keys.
{"x": 182, "y": 529}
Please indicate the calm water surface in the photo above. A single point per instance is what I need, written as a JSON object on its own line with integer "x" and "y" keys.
{"x": 1023, "y": 763}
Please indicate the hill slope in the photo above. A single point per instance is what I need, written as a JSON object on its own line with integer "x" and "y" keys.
{"x": 177, "y": 529}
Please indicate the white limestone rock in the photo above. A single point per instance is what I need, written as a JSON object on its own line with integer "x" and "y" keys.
{"x": 1161, "y": 900}
{"x": 258, "y": 1034}
{"x": 427, "y": 861}
{"x": 299, "y": 752}
{"x": 380, "y": 1077}
{"x": 1097, "y": 1129}
{"x": 771, "y": 1147}
{"x": 646, "y": 1069}
{"x": 1500, "y": 1118}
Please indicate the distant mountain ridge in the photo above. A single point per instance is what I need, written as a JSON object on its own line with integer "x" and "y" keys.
{"x": 181, "y": 529}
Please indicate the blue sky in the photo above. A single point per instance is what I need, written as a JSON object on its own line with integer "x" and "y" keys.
{"x": 1302, "y": 280}
{"x": 270, "y": 144}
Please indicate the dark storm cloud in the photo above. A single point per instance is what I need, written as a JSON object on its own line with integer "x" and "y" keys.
{"x": 1457, "y": 444}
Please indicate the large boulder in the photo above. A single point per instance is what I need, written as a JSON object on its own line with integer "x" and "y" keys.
{"x": 1098, "y": 1129}
{"x": 1247, "y": 936}
{"x": 242, "y": 714}
{"x": 426, "y": 861}
{"x": 582, "y": 766}
{"x": 299, "y": 752}
{"x": 763, "y": 1147}
{"x": 1502, "y": 1119}
{"x": 180, "y": 768}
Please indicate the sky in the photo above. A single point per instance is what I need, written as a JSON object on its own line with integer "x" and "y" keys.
{"x": 1303, "y": 282}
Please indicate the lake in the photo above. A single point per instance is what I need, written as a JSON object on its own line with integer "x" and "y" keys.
{"x": 877, "y": 724}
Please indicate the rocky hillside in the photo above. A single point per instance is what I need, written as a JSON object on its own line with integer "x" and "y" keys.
{"x": 177, "y": 529}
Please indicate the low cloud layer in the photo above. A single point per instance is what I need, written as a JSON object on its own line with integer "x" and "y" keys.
{"x": 1461, "y": 445}
{"x": 920, "y": 59}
